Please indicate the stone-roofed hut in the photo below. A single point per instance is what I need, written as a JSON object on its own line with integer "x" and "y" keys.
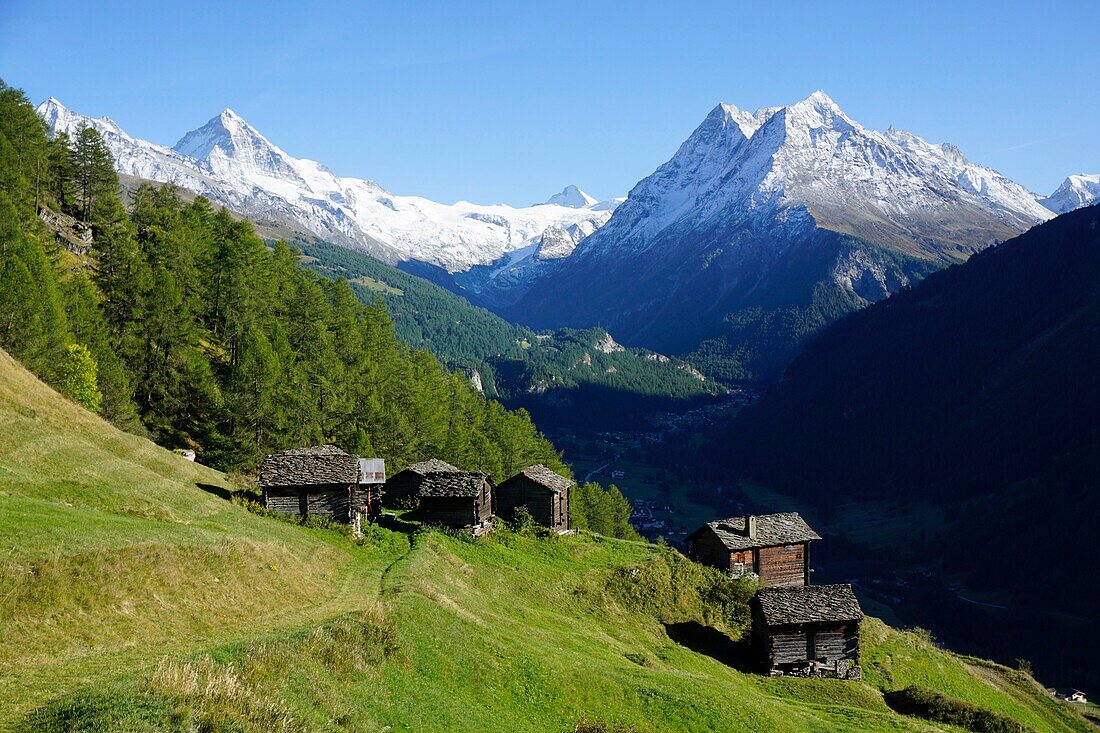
{"x": 544, "y": 493}
{"x": 322, "y": 481}
{"x": 459, "y": 499}
{"x": 402, "y": 488}
{"x": 774, "y": 547}
{"x": 810, "y": 630}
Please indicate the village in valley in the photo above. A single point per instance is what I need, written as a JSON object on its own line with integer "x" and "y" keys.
{"x": 798, "y": 628}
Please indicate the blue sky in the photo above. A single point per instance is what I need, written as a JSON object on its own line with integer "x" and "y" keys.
{"x": 511, "y": 101}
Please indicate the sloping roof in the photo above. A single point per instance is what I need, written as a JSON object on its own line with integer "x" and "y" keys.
{"x": 808, "y": 604}
{"x": 453, "y": 483}
{"x": 432, "y": 465}
{"x": 544, "y": 476}
{"x": 318, "y": 465}
{"x": 771, "y": 530}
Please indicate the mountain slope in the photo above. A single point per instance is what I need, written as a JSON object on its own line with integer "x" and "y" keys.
{"x": 974, "y": 392}
{"x": 1075, "y": 192}
{"x": 579, "y": 375}
{"x": 135, "y": 599}
{"x": 765, "y": 226}
{"x": 233, "y": 164}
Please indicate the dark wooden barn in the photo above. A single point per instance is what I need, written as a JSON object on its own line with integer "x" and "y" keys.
{"x": 323, "y": 481}
{"x": 544, "y": 493}
{"x": 402, "y": 488}
{"x": 810, "y": 630}
{"x": 459, "y": 499}
{"x": 774, "y": 547}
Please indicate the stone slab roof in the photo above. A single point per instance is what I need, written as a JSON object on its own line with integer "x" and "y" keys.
{"x": 432, "y": 465}
{"x": 453, "y": 483}
{"x": 544, "y": 476}
{"x": 316, "y": 466}
{"x": 808, "y": 604}
{"x": 771, "y": 530}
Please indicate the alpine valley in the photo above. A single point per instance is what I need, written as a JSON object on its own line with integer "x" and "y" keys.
{"x": 794, "y": 321}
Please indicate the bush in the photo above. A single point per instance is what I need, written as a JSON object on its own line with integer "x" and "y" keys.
{"x": 931, "y": 705}
{"x": 673, "y": 589}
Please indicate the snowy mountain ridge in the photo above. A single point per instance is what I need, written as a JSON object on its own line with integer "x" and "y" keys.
{"x": 811, "y": 163}
{"x": 765, "y": 226}
{"x": 233, "y": 164}
{"x": 1076, "y": 191}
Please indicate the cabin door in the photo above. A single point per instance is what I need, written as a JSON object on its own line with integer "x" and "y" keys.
{"x": 811, "y": 645}
{"x": 303, "y": 504}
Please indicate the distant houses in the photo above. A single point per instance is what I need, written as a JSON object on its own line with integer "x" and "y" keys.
{"x": 323, "y": 481}
{"x": 808, "y": 630}
{"x": 773, "y": 547}
{"x": 543, "y": 492}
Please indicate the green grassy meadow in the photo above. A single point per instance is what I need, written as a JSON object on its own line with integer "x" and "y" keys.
{"x": 135, "y": 597}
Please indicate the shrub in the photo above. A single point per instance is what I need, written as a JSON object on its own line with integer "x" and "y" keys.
{"x": 931, "y": 705}
{"x": 672, "y": 589}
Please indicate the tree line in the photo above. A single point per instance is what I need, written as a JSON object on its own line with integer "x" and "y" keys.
{"x": 184, "y": 325}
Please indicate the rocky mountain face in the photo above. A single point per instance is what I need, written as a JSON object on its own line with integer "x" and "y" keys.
{"x": 233, "y": 164}
{"x": 764, "y": 226}
{"x": 1075, "y": 192}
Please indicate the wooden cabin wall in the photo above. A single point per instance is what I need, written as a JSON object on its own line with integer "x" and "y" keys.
{"x": 449, "y": 511}
{"x": 782, "y": 566}
{"x": 709, "y": 550}
{"x": 334, "y": 503}
{"x": 322, "y": 501}
{"x": 400, "y": 489}
{"x": 788, "y": 646}
{"x": 792, "y": 644}
{"x": 522, "y": 491}
{"x": 284, "y": 500}
{"x": 484, "y": 509}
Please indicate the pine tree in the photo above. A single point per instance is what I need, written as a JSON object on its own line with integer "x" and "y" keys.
{"x": 59, "y": 178}
{"x": 93, "y": 171}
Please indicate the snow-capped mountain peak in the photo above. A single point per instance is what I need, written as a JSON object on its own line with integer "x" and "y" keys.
{"x": 572, "y": 197}
{"x": 1076, "y": 191}
{"x": 811, "y": 158}
{"x": 234, "y": 164}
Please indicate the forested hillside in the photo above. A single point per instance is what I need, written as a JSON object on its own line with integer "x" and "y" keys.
{"x": 975, "y": 393}
{"x": 181, "y": 323}
{"x": 582, "y": 371}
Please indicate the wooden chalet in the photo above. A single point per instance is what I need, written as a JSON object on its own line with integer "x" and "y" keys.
{"x": 810, "y": 630}
{"x": 459, "y": 499}
{"x": 402, "y": 488}
{"x": 323, "y": 481}
{"x": 774, "y": 547}
{"x": 544, "y": 493}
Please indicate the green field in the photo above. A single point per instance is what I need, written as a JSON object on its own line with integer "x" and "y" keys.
{"x": 135, "y": 597}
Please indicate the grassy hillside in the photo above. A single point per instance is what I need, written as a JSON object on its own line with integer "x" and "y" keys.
{"x": 137, "y": 598}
